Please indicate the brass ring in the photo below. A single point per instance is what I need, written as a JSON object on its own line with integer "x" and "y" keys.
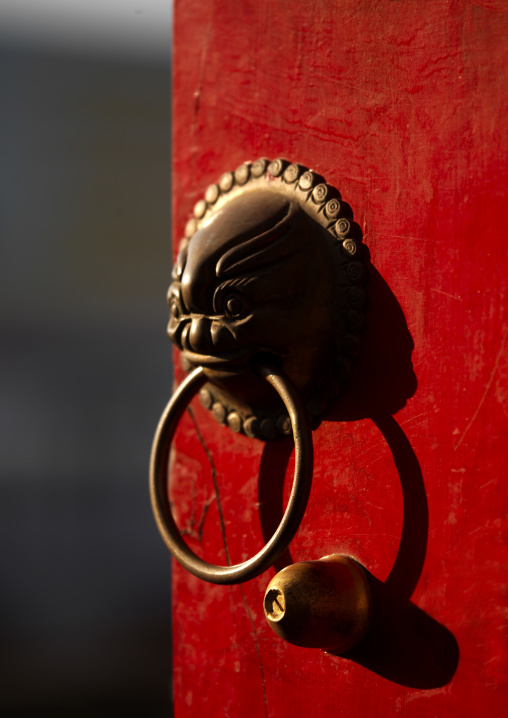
{"x": 297, "y": 501}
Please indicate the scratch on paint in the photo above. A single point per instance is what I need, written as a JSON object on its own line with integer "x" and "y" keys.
{"x": 204, "y": 58}
{"x": 487, "y": 389}
{"x": 403, "y": 236}
{"x": 452, "y": 296}
{"x": 197, "y": 93}
{"x": 489, "y": 483}
{"x": 215, "y": 484}
{"x": 226, "y": 549}
{"x": 413, "y": 418}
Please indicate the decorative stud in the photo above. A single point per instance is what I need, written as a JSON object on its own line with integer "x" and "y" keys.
{"x": 235, "y": 422}
{"x": 284, "y": 425}
{"x": 350, "y": 246}
{"x": 355, "y": 272}
{"x": 258, "y": 167}
{"x": 292, "y": 173}
{"x": 227, "y": 181}
{"x": 320, "y": 193}
{"x": 267, "y": 427}
{"x": 307, "y": 180}
{"x": 190, "y": 228}
{"x": 242, "y": 174}
{"x": 212, "y": 193}
{"x": 332, "y": 208}
{"x": 276, "y": 168}
{"x": 206, "y": 398}
{"x": 342, "y": 227}
{"x": 251, "y": 427}
{"x": 200, "y": 209}
{"x": 219, "y": 412}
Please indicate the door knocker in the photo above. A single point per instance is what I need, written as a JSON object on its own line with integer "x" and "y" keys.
{"x": 267, "y": 292}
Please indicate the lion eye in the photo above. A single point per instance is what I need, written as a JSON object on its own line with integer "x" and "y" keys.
{"x": 233, "y": 306}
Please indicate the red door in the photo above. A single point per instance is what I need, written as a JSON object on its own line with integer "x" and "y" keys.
{"x": 402, "y": 105}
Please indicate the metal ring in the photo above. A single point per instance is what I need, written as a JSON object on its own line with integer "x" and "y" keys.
{"x": 297, "y": 501}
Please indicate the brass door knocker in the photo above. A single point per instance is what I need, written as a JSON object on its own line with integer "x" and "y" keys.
{"x": 267, "y": 290}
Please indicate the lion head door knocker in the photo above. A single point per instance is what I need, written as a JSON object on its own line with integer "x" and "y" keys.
{"x": 267, "y": 294}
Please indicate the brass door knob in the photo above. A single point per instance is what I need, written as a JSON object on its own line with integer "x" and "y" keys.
{"x": 320, "y": 604}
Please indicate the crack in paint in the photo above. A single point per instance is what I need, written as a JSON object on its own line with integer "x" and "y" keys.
{"x": 258, "y": 652}
{"x": 226, "y": 549}
{"x": 213, "y": 471}
{"x": 193, "y": 528}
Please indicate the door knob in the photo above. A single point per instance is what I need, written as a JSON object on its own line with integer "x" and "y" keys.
{"x": 267, "y": 293}
{"x": 320, "y": 604}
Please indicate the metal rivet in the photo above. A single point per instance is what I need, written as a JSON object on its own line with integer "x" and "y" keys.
{"x": 332, "y": 208}
{"x": 235, "y": 422}
{"x": 200, "y": 208}
{"x": 206, "y": 398}
{"x": 226, "y": 181}
{"x": 219, "y": 412}
{"x": 258, "y": 167}
{"x": 307, "y": 180}
{"x": 212, "y": 193}
{"x": 320, "y": 193}
{"x": 284, "y": 425}
{"x": 268, "y": 429}
{"x": 355, "y": 272}
{"x": 342, "y": 227}
{"x": 292, "y": 173}
{"x": 350, "y": 246}
{"x": 276, "y": 168}
{"x": 251, "y": 426}
{"x": 190, "y": 228}
{"x": 242, "y": 174}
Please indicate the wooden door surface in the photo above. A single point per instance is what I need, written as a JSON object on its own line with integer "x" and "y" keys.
{"x": 402, "y": 105}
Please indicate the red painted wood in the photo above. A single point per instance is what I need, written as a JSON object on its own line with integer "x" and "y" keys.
{"x": 403, "y": 106}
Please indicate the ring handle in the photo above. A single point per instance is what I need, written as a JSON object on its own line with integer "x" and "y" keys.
{"x": 297, "y": 503}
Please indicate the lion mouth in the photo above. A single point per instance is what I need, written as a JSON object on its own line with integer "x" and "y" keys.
{"x": 234, "y": 362}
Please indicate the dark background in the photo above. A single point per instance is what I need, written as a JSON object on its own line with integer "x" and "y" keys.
{"x": 85, "y": 365}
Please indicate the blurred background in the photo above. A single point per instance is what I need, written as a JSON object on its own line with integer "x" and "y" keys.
{"x": 85, "y": 264}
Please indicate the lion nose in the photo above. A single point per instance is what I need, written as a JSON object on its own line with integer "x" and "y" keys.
{"x": 207, "y": 336}
{"x": 199, "y": 338}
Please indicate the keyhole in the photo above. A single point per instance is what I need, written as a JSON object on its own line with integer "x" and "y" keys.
{"x": 275, "y": 604}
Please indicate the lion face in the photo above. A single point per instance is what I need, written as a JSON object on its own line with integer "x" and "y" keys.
{"x": 252, "y": 280}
